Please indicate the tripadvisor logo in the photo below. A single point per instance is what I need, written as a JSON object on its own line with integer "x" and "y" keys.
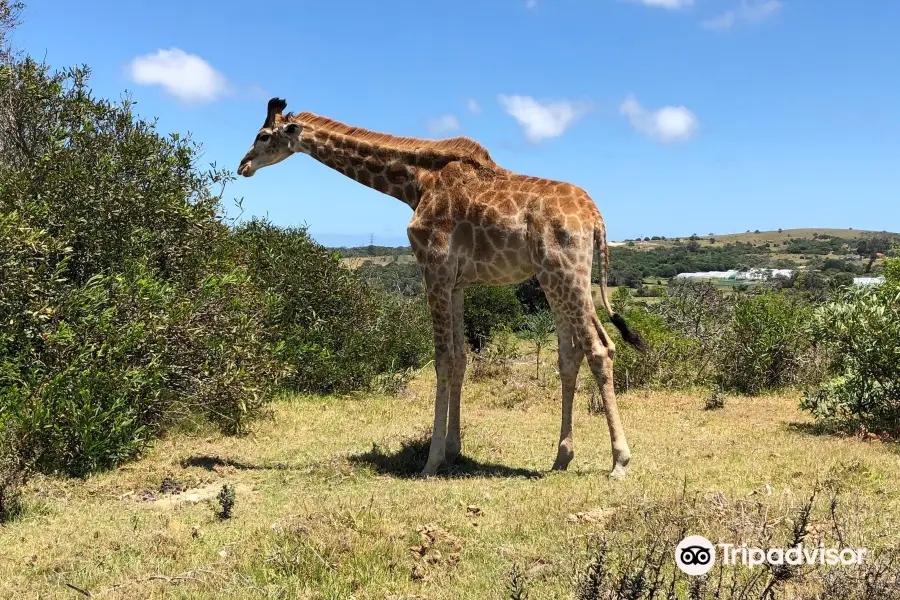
{"x": 696, "y": 555}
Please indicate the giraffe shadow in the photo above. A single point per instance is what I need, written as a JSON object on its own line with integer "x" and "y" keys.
{"x": 407, "y": 462}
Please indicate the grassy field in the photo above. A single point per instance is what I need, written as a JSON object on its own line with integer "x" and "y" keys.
{"x": 357, "y": 261}
{"x": 328, "y": 505}
{"x": 756, "y": 238}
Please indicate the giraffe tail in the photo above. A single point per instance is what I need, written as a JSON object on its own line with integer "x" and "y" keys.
{"x": 629, "y": 335}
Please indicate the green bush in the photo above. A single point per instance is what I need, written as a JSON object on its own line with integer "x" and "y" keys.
{"x": 699, "y": 336}
{"x": 531, "y": 296}
{"x": 126, "y": 355}
{"x": 669, "y": 363}
{"x": 538, "y": 329}
{"x": 336, "y": 332}
{"x": 768, "y": 345}
{"x": 402, "y": 278}
{"x": 122, "y": 309}
{"x": 489, "y": 307}
{"x": 862, "y": 326}
{"x": 671, "y": 360}
{"x": 127, "y": 303}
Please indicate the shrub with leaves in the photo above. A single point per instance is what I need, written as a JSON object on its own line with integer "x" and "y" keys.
{"x": 122, "y": 309}
{"x": 538, "y": 330}
{"x": 494, "y": 361}
{"x": 672, "y": 359}
{"x": 487, "y": 308}
{"x": 531, "y": 296}
{"x": 701, "y": 312}
{"x": 715, "y": 400}
{"x": 862, "y": 327}
{"x": 336, "y": 332}
{"x": 768, "y": 345}
{"x": 226, "y": 499}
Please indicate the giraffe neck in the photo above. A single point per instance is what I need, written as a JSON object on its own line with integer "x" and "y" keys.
{"x": 364, "y": 162}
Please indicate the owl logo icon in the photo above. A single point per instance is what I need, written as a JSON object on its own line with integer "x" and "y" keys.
{"x": 695, "y": 555}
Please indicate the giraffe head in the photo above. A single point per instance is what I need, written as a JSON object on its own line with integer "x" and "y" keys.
{"x": 277, "y": 139}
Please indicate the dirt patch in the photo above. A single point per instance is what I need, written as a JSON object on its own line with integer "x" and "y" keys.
{"x": 595, "y": 515}
{"x": 187, "y": 496}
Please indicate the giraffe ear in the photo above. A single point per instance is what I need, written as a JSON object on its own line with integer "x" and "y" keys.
{"x": 275, "y": 108}
{"x": 292, "y": 129}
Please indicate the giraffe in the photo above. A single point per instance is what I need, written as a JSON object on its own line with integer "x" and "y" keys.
{"x": 475, "y": 222}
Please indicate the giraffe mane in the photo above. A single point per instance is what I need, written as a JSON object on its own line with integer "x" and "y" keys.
{"x": 451, "y": 148}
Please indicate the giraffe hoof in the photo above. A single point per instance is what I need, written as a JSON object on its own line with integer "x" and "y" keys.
{"x": 618, "y": 472}
{"x": 564, "y": 456}
{"x": 430, "y": 469}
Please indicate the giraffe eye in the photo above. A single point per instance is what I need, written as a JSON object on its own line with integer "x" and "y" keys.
{"x": 263, "y": 137}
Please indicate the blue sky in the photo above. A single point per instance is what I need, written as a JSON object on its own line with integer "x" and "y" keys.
{"x": 677, "y": 116}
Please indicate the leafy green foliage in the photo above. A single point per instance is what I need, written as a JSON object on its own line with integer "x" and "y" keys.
{"x": 128, "y": 304}
{"x": 767, "y": 344}
{"x": 531, "y": 296}
{"x": 493, "y": 362}
{"x": 697, "y": 335}
{"x": 336, "y": 332}
{"x": 226, "y": 499}
{"x": 715, "y": 400}
{"x": 538, "y": 329}
{"x": 672, "y": 357}
{"x": 403, "y": 278}
{"x": 862, "y": 326}
{"x": 121, "y": 311}
{"x": 487, "y": 308}
{"x": 360, "y": 251}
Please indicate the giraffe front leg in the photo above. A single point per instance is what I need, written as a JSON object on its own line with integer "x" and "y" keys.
{"x": 454, "y": 443}
{"x": 570, "y": 357}
{"x": 441, "y": 316}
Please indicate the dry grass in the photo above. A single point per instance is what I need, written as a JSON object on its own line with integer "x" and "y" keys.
{"x": 356, "y": 262}
{"x": 328, "y": 505}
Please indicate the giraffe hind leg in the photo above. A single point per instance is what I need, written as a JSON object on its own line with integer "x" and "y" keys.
{"x": 576, "y": 306}
{"x": 598, "y": 348}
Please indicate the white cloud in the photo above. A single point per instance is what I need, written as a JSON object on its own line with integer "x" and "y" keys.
{"x": 473, "y": 106}
{"x": 258, "y": 92}
{"x": 759, "y": 12}
{"x": 723, "y": 21}
{"x": 185, "y": 76}
{"x": 668, "y": 124}
{"x": 543, "y": 120}
{"x": 443, "y": 124}
{"x": 668, "y": 4}
{"x": 751, "y": 13}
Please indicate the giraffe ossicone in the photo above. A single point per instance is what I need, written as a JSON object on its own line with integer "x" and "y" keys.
{"x": 475, "y": 222}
